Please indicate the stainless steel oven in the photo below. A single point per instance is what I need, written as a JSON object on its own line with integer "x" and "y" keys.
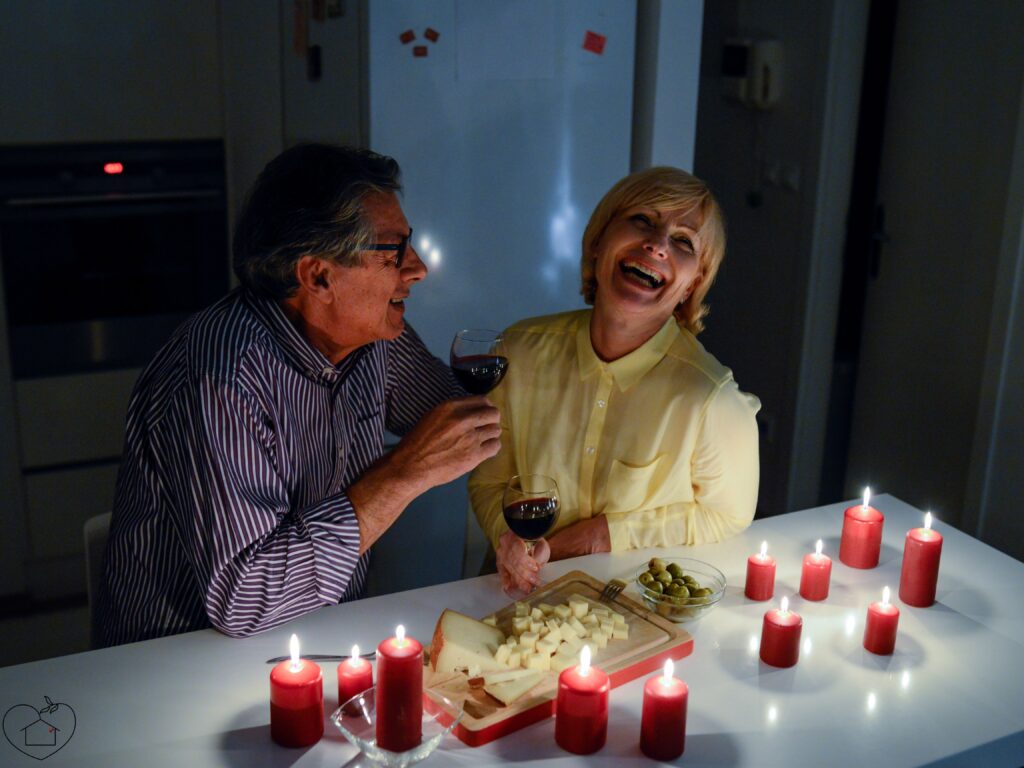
{"x": 106, "y": 248}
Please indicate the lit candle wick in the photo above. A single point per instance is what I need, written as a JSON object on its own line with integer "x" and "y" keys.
{"x": 293, "y": 647}
{"x": 927, "y": 521}
{"x": 355, "y": 654}
{"x": 669, "y": 668}
{"x": 400, "y": 636}
{"x": 764, "y": 550}
{"x": 818, "y": 546}
{"x": 885, "y": 597}
{"x": 785, "y": 605}
{"x": 867, "y": 496}
{"x": 585, "y": 661}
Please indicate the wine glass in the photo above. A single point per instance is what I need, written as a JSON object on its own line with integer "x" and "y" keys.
{"x": 478, "y": 359}
{"x": 530, "y": 505}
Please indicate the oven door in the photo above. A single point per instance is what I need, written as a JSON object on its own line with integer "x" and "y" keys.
{"x": 99, "y": 282}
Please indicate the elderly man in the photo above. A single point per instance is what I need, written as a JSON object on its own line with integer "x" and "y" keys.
{"x": 254, "y": 479}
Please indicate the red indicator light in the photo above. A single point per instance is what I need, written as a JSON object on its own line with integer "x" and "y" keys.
{"x": 113, "y": 168}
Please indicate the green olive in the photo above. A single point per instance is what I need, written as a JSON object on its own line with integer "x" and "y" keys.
{"x": 690, "y": 580}
{"x": 646, "y": 578}
{"x": 678, "y": 590}
{"x": 664, "y": 577}
{"x": 656, "y": 564}
{"x": 656, "y": 586}
{"x": 676, "y": 570}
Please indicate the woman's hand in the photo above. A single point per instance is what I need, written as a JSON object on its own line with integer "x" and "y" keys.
{"x": 585, "y": 537}
{"x": 519, "y": 571}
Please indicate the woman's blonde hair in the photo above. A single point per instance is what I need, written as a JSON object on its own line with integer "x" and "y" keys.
{"x": 663, "y": 189}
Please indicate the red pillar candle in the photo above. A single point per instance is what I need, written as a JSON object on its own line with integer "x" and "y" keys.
{"x": 760, "y": 575}
{"x": 663, "y": 723}
{"x": 780, "y": 636}
{"x": 861, "y": 542}
{"x": 355, "y": 675}
{"x": 296, "y": 701}
{"x": 581, "y": 709}
{"x": 816, "y": 575}
{"x": 920, "y": 574}
{"x": 399, "y": 700}
{"x": 880, "y": 629}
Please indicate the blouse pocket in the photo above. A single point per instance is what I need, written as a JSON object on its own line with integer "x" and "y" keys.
{"x": 632, "y": 486}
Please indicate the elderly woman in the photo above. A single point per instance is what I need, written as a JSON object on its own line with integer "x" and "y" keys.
{"x": 647, "y": 435}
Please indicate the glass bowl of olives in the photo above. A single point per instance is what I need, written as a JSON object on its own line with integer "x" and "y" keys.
{"x": 681, "y": 590}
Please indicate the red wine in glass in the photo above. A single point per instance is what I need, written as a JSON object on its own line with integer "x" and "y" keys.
{"x": 478, "y": 360}
{"x": 530, "y": 505}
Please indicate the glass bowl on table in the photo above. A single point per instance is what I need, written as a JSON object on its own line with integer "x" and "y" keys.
{"x": 356, "y": 719}
{"x": 679, "y": 589}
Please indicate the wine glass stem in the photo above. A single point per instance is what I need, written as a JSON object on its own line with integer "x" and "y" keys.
{"x": 529, "y": 545}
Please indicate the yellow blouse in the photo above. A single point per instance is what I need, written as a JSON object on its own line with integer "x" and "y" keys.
{"x": 661, "y": 442}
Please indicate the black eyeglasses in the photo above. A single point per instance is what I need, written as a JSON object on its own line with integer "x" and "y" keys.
{"x": 399, "y": 248}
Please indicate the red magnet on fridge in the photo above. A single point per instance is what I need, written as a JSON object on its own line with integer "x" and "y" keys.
{"x": 431, "y": 34}
{"x": 419, "y": 51}
{"x": 407, "y": 37}
{"x": 594, "y": 42}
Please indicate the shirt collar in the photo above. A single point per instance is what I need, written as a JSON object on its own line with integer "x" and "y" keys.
{"x": 629, "y": 369}
{"x": 300, "y": 354}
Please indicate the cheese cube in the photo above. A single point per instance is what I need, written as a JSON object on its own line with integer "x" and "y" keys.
{"x": 537, "y": 614}
{"x": 512, "y": 640}
{"x": 578, "y": 628}
{"x": 579, "y": 606}
{"x": 560, "y": 663}
{"x": 599, "y": 638}
{"x": 600, "y": 610}
{"x": 567, "y": 629}
{"x": 515, "y": 658}
{"x": 539, "y": 661}
{"x": 503, "y": 653}
{"x": 618, "y": 618}
{"x": 621, "y": 632}
{"x": 590, "y": 620}
{"x": 535, "y": 626}
{"x": 529, "y": 640}
{"x": 521, "y": 624}
{"x": 607, "y": 625}
{"x": 563, "y": 611}
{"x": 546, "y": 609}
{"x": 522, "y": 609}
{"x": 574, "y": 642}
{"x": 492, "y": 620}
{"x": 547, "y": 645}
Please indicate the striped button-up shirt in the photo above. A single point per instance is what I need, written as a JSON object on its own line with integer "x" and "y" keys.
{"x": 231, "y": 506}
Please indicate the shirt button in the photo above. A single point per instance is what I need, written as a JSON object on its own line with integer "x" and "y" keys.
{"x": 600, "y": 403}
{"x": 590, "y": 450}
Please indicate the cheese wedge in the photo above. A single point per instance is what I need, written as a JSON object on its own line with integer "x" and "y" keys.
{"x": 461, "y": 642}
{"x": 513, "y": 690}
{"x": 493, "y": 678}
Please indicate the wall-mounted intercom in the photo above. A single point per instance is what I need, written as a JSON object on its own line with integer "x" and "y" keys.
{"x": 752, "y": 70}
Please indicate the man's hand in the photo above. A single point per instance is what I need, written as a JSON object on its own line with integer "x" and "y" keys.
{"x": 447, "y": 442}
{"x": 518, "y": 571}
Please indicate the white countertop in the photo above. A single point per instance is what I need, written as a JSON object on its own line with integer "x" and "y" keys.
{"x": 951, "y": 694}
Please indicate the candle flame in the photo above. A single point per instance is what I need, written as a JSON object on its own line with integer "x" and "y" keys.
{"x": 355, "y": 651}
{"x": 669, "y": 669}
{"x": 818, "y": 546}
{"x": 293, "y": 647}
{"x": 867, "y": 496}
{"x": 764, "y": 549}
{"x": 785, "y": 604}
{"x": 585, "y": 660}
{"x": 885, "y": 597}
{"x": 400, "y": 634}
{"x": 927, "y": 521}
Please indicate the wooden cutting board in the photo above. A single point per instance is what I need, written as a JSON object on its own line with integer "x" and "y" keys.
{"x": 652, "y": 639}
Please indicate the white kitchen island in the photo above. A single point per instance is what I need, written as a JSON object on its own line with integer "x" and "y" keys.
{"x": 951, "y": 694}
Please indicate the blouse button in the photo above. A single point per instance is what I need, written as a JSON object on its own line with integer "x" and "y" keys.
{"x": 600, "y": 403}
{"x": 590, "y": 450}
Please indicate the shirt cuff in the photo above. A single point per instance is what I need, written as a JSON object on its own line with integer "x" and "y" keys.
{"x": 334, "y": 530}
{"x": 618, "y": 531}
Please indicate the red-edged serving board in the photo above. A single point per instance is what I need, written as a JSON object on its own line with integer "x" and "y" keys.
{"x": 652, "y": 639}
